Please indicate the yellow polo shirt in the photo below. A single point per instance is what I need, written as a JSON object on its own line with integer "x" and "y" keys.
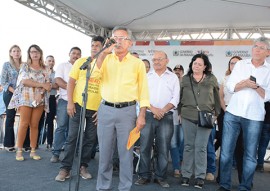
{"x": 124, "y": 81}
{"x": 94, "y": 97}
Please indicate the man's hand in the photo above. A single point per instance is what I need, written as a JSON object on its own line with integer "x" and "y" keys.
{"x": 95, "y": 118}
{"x": 71, "y": 109}
{"x": 158, "y": 113}
{"x": 140, "y": 123}
{"x": 250, "y": 84}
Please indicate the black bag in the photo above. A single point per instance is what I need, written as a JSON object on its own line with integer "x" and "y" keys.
{"x": 205, "y": 118}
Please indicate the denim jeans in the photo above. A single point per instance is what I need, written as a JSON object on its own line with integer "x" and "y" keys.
{"x": 211, "y": 155}
{"x": 264, "y": 141}
{"x": 9, "y": 139}
{"x": 60, "y": 134}
{"x": 177, "y": 147}
{"x": 251, "y": 132}
{"x": 162, "y": 131}
{"x": 89, "y": 138}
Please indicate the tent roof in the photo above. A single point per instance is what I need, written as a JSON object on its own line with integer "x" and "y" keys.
{"x": 175, "y": 17}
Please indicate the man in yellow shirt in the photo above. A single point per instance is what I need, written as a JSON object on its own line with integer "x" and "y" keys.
{"x": 124, "y": 82}
{"x": 75, "y": 88}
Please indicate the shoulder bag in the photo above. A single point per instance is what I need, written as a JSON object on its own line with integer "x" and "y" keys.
{"x": 205, "y": 118}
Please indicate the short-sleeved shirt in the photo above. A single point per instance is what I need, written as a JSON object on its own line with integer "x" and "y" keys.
{"x": 62, "y": 71}
{"x": 23, "y": 95}
{"x": 9, "y": 76}
{"x": 94, "y": 97}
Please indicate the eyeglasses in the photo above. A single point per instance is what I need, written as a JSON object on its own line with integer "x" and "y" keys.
{"x": 260, "y": 47}
{"x": 158, "y": 59}
{"x": 120, "y": 38}
{"x": 34, "y": 52}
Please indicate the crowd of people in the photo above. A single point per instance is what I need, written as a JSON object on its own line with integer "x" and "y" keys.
{"x": 118, "y": 92}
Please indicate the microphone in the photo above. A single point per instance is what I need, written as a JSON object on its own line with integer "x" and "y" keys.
{"x": 86, "y": 64}
{"x": 111, "y": 42}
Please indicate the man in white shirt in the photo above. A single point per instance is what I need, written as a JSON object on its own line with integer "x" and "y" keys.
{"x": 164, "y": 90}
{"x": 250, "y": 85}
{"x": 61, "y": 79}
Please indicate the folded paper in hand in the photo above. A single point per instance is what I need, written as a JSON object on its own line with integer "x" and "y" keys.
{"x": 134, "y": 135}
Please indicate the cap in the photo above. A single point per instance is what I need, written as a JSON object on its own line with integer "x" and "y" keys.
{"x": 180, "y": 67}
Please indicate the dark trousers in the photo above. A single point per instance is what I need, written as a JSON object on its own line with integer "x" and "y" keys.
{"x": 89, "y": 138}
{"x": 49, "y": 123}
{"x": 9, "y": 140}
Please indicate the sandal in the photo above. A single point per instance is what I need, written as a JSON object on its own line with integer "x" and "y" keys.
{"x": 19, "y": 156}
{"x": 34, "y": 156}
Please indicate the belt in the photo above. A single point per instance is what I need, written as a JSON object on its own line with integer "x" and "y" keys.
{"x": 119, "y": 104}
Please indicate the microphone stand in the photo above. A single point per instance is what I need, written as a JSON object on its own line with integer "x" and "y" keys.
{"x": 86, "y": 65}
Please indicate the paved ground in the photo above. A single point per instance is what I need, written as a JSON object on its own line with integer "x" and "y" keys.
{"x": 31, "y": 175}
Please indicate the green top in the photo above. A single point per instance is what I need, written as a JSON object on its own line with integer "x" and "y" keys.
{"x": 207, "y": 95}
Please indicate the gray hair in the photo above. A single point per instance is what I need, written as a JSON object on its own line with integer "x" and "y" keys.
{"x": 117, "y": 28}
{"x": 263, "y": 40}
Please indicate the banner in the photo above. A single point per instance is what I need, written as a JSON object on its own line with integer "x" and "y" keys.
{"x": 219, "y": 52}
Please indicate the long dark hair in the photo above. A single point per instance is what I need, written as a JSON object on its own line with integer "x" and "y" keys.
{"x": 205, "y": 60}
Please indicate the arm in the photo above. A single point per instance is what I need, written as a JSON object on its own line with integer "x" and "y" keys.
{"x": 103, "y": 55}
{"x": 221, "y": 95}
{"x": 260, "y": 91}
{"x": 61, "y": 83}
{"x": 4, "y": 79}
{"x": 70, "y": 89}
{"x": 34, "y": 84}
{"x": 140, "y": 123}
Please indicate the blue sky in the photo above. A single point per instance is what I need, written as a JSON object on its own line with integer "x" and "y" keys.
{"x": 23, "y": 26}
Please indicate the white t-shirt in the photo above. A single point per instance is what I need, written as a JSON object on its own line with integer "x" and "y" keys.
{"x": 62, "y": 71}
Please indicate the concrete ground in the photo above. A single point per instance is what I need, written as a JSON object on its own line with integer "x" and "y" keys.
{"x": 31, "y": 175}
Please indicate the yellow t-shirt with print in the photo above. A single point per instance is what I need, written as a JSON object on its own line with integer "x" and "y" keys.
{"x": 94, "y": 97}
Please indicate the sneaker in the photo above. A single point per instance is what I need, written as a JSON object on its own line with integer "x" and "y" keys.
{"x": 62, "y": 175}
{"x": 84, "y": 173}
{"x": 142, "y": 181}
{"x": 55, "y": 159}
{"x": 185, "y": 181}
{"x": 210, "y": 177}
{"x": 260, "y": 168}
{"x": 198, "y": 183}
{"x": 10, "y": 149}
{"x": 49, "y": 147}
{"x": 162, "y": 183}
{"x": 176, "y": 173}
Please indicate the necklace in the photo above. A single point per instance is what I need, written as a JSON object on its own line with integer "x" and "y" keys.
{"x": 199, "y": 80}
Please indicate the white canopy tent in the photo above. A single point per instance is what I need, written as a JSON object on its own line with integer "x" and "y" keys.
{"x": 160, "y": 19}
